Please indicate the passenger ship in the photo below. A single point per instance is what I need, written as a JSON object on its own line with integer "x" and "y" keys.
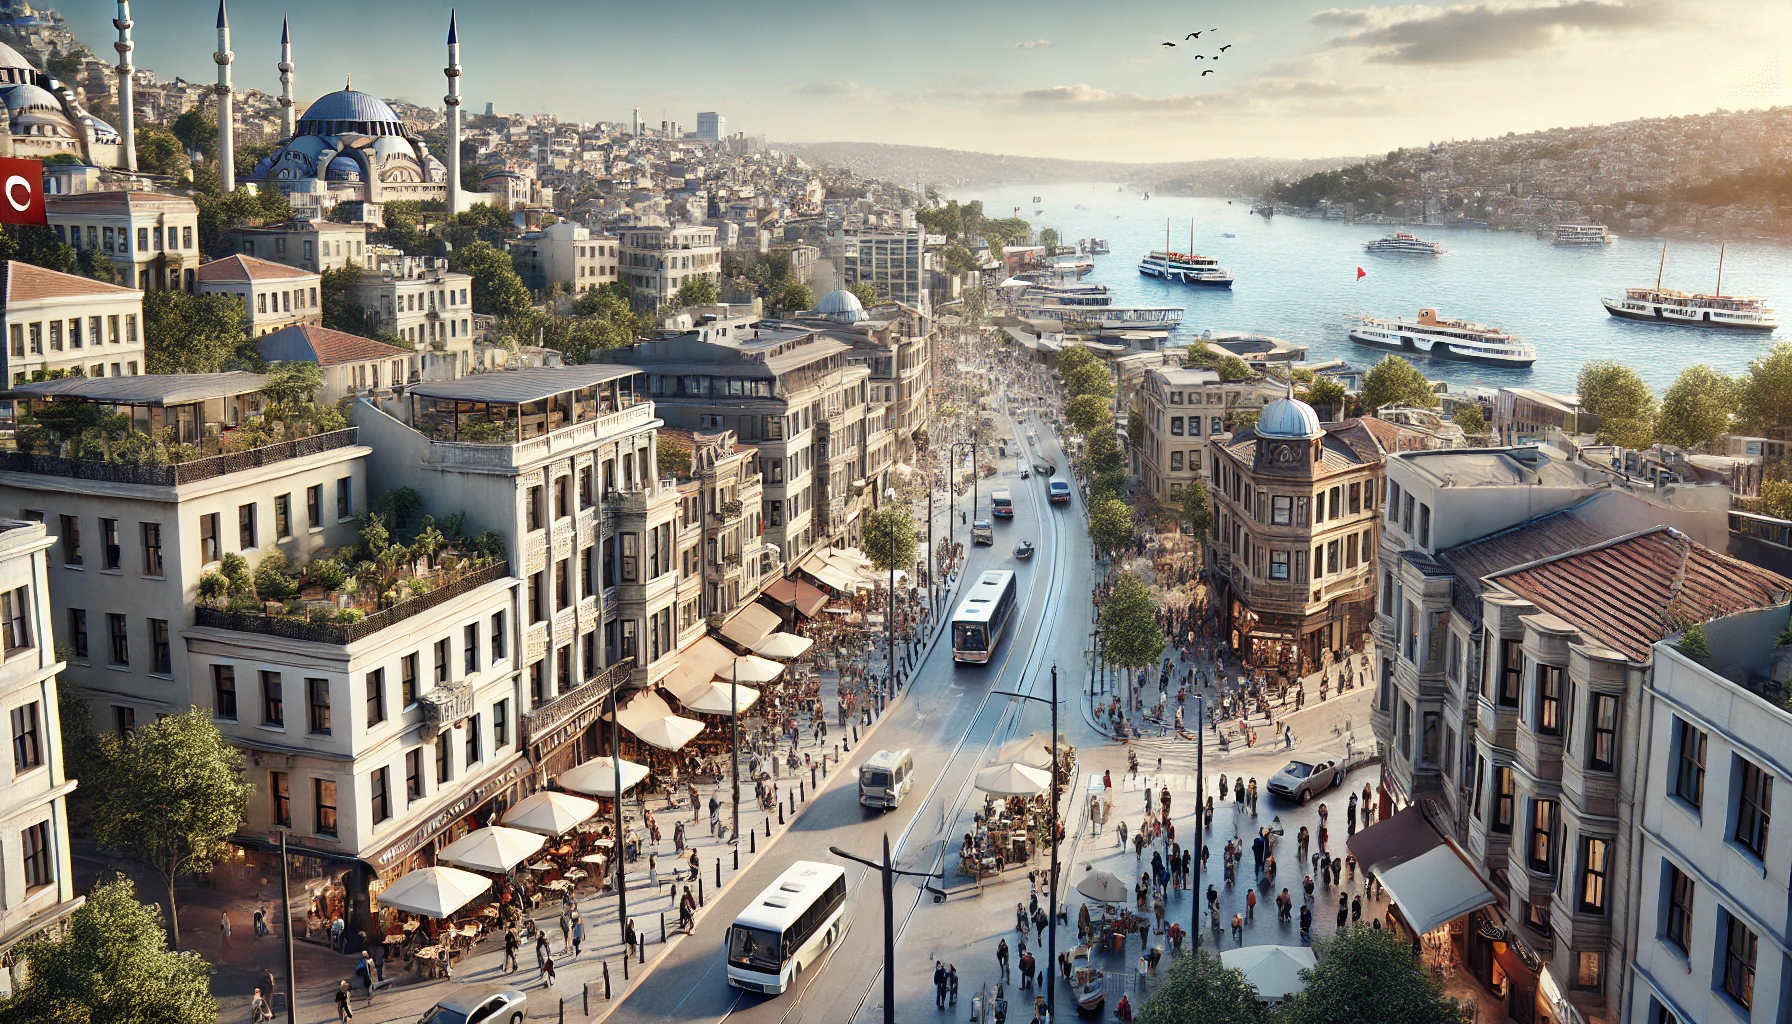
{"x": 1582, "y": 234}
{"x": 1402, "y": 243}
{"x": 1066, "y": 295}
{"x": 1694, "y": 309}
{"x": 1183, "y": 267}
{"x": 1445, "y": 338}
{"x": 1107, "y": 318}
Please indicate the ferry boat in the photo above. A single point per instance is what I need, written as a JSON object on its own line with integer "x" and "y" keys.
{"x": 1185, "y": 268}
{"x": 1445, "y": 338}
{"x": 1582, "y": 234}
{"x": 1402, "y": 243}
{"x": 1106, "y": 318}
{"x": 1066, "y": 295}
{"x": 1694, "y": 309}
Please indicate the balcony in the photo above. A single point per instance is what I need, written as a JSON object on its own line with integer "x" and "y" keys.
{"x": 174, "y": 474}
{"x": 571, "y": 711}
{"x": 343, "y": 633}
{"x": 564, "y": 441}
{"x": 446, "y": 705}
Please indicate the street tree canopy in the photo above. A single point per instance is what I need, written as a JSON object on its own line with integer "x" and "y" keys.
{"x": 1695, "y": 410}
{"x": 1072, "y": 356}
{"x": 1128, "y": 630}
{"x": 1394, "y": 381}
{"x": 866, "y": 292}
{"x": 1197, "y": 515}
{"x": 1624, "y": 404}
{"x": 1201, "y": 988}
{"x": 1764, "y": 400}
{"x": 185, "y": 333}
{"x": 696, "y": 291}
{"x": 793, "y": 297}
{"x": 1111, "y": 527}
{"x": 1092, "y": 379}
{"x": 1368, "y": 976}
{"x": 889, "y": 539}
{"x": 1087, "y": 413}
{"x": 1325, "y": 392}
{"x": 1469, "y": 418}
{"x": 496, "y": 287}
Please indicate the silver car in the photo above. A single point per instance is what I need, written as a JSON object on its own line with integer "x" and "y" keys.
{"x": 1299, "y": 780}
{"x": 490, "y": 1004}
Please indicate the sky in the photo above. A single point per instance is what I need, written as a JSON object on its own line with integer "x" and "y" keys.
{"x": 1089, "y": 79}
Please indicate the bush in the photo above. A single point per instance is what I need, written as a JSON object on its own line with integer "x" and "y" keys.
{"x": 274, "y": 580}
{"x": 349, "y": 616}
{"x": 326, "y": 573}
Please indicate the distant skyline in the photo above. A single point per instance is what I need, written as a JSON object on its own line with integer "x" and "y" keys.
{"x": 1078, "y": 80}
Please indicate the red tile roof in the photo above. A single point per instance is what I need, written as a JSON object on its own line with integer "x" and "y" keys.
{"x": 248, "y": 268}
{"x": 1631, "y": 591}
{"x": 324, "y": 346}
{"x": 23, "y": 282}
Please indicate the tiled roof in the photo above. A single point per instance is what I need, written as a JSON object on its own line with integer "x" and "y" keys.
{"x": 325, "y": 347}
{"x": 23, "y": 282}
{"x": 1631, "y": 591}
{"x": 248, "y": 268}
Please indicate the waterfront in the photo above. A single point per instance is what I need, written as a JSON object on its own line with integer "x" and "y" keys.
{"x": 1297, "y": 281}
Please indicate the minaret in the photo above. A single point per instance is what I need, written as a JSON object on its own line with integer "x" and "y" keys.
{"x": 127, "y": 127}
{"x": 288, "y": 125}
{"x": 453, "y": 102}
{"x": 226, "y": 109}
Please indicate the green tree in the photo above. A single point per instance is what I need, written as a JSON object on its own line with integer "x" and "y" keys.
{"x": 696, "y": 291}
{"x": 496, "y": 287}
{"x": 1049, "y": 239}
{"x": 1086, "y": 413}
{"x": 38, "y": 246}
{"x": 1092, "y": 379}
{"x": 1624, "y": 404}
{"x": 1201, "y": 988}
{"x": 341, "y": 311}
{"x": 1325, "y": 393}
{"x": 111, "y": 965}
{"x": 958, "y": 259}
{"x": 170, "y": 795}
{"x": 793, "y": 297}
{"x": 197, "y": 132}
{"x": 1696, "y": 409}
{"x": 249, "y": 154}
{"x": 1127, "y": 627}
{"x": 294, "y": 383}
{"x": 1694, "y": 642}
{"x": 1228, "y": 366}
{"x": 1394, "y": 381}
{"x": 673, "y": 455}
{"x": 1469, "y": 418}
{"x": 865, "y": 291}
{"x": 159, "y": 152}
{"x": 1073, "y": 356}
{"x": 1369, "y": 976}
{"x": 1197, "y": 515}
{"x": 220, "y": 212}
{"x": 1111, "y": 528}
{"x": 194, "y": 333}
{"x": 889, "y": 537}
{"x": 1764, "y": 399}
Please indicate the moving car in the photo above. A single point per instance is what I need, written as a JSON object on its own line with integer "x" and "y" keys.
{"x": 1058, "y": 492}
{"x": 885, "y": 778}
{"x": 1001, "y": 503}
{"x": 490, "y": 1004}
{"x": 1024, "y": 549}
{"x": 1299, "y": 780}
{"x": 982, "y": 532}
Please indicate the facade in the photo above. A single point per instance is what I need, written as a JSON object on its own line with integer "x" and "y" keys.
{"x": 656, "y": 261}
{"x": 152, "y": 238}
{"x": 274, "y": 295}
{"x": 711, "y": 126}
{"x": 1526, "y": 415}
{"x": 721, "y": 519}
{"x": 890, "y": 260}
{"x": 1185, "y": 410}
{"x": 895, "y": 342}
{"x": 315, "y": 245}
{"x": 565, "y": 253}
{"x": 63, "y": 324}
{"x": 351, "y": 365}
{"x": 418, "y": 299}
{"x": 37, "y": 888}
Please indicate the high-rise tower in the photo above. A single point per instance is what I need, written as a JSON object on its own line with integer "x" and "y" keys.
{"x": 288, "y": 116}
{"x": 226, "y": 108}
{"x": 453, "y": 102}
{"x": 127, "y": 127}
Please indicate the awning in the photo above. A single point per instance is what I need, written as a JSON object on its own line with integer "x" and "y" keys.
{"x": 668, "y": 733}
{"x": 697, "y": 665}
{"x": 718, "y": 701}
{"x": 1013, "y": 780}
{"x": 550, "y": 813}
{"x": 434, "y": 891}
{"x": 493, "y": 848}
{"x": 825, "y": 573}
{"x": 1425, "y": 877}
{"x": 749, "y": 668}
{"x": 644, "y": 708}
{"x": 807, "y": 600}
{"x": 597, "y": 777}
{"x": 1274, "y": 971}
{"x": 751, "y": 624}
{"x": 783, "y": 646}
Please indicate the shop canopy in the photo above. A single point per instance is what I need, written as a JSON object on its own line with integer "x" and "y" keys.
{"x": 719, "y": 701}
{"x": 654, "y": 724}
{"x": 1424, "y": 875}
{"x": 1013, "y": 780}
{"x": 783, "y": 646}
{"x": 807, "y": 600}
{"x": 1273, "y": 970}
{"x": 1033, "y": 750}
{"x": 550, "y": 813}
{"x": 697, "y": 665}
{"x": 434, "y": 891}
{"x": 751, "y": 624}
{"x": 1103, "y": 887}
{"x": 844, "y": 579}
{"x": 749, "y": 668}
{"x": 493, "y": 848}
{"x": 643, "y": 708}
{"x": 598, "y": 777}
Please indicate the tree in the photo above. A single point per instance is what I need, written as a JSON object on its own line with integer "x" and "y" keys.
{"x": 696, "y": 291}
{"x": 958, "y": 259}
{"x": 159, "y": 152}
{"x": 111, "y": 966}
{"x": 194, "y": 333}
{"x": 889, "y": 538}
{"x": 1087, "y": 413}
{"x": 1325, "y": 393}
{"x": 1049, "y": 239}
{"x": 794, "y": 296}
{"x": 1624, "y": 404}
{"x": 1394, "y": 381}
{"x": 38, "y": 246}
{"x": 336, "y": 292}
{"x": 1127, "y": 628}
{"x": 1092, "y": 379}
{"x": 1197, "y": 515}
{"x": 1695, "y": 410}
{"x": 673, "y": 455}
{"x": 496, "y": 287}
{"x": 1073, "y": 356}
{"x": 1764, "y": 399}
{"x": 1228, "y": 366}
{"x": 1111, "y": 527}
{"x": 866, "y": 292}
{"x": 1368, "y": 976}
{"x": 1469, "y": 418}
{"x": 294, "y": 383}
{"x": 171, "y": 795}
{"x": 219, "y": 212}
{"x": 197, "y": 132}
{"x": 1201, "y": 988}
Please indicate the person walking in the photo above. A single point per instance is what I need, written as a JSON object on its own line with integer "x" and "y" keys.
{"x": 261, "y": 922}
{"x": 364, "y": 971}
{"x": 939, "y": 985}
{"x": 578, "y": 932}
{"x": 224, "y": 933}
{"x": 259, "y": 1008}
{"x": 951, "y": 985}
{"x": 565, "y": 932}
{"x": 511, "y": 944}
{"x": 629, "y": 938}
{"x": 344, "y": 1012}
{"x": 1002, "y": 958}
{"x": 542, "y": 949}
{"x": 1250, "y": 905}
{"x": 547, "y": 972}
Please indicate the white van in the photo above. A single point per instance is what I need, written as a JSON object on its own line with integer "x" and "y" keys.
{"x": 885, "y": 778}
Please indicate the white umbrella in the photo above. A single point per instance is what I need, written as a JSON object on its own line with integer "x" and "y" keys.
{"x": 434, "y": 892}
{"x": 1274, "y": 970}
{"x": 750, "y": 669}
{"x": 1013, "y": 780}
{"x": 668, "y": 733}
{"x": 598, "y": 777}
{"x": 784, "y": 646}
{"x": 718, "y": 701}
{"x": 1034, "y": 750}
{"x": 1103, "y": 887}
{"x": 550, "y": 813}
{"x": 493, "y": 848}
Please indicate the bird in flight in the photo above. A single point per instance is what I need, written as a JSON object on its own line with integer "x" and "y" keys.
{"x": 1209, "y": 71}
{"x": 1226, "y": 47}
{"x": 1200, "y": 56}
{"x": 1167, "y": 43}
{"x": 1191, "y": 35}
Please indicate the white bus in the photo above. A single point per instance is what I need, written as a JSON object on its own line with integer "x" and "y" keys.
{"x": 983, "y": 617}
{"x": 788, "y": 927}
{"x": 885, "y": 778}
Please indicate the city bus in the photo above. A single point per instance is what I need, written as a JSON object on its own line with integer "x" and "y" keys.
{"x": 1001, "y": 503}
{"x": 983, "y": 616}
{"x": 788, "y": 927}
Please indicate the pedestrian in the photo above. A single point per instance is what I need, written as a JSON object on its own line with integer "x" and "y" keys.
{"x": 1356, "y": 908}
{"x": 547, "y": 972}
{"x": 1306, "y": 924}
{"x": 578, "y": 932}
{"x": 565, "y": 932}
{"x": 542, "y": 949}
{"x": 1002, "y": 958}
{"x": 511, "y": 945}
{"x": 939, "y": 985}
{"x": 343, "y": 1011}
{"x": 629, "y": 938}
{"x": 715, "y": 814}
{"x": 1343, "y": 910}
{"x": 1238, "y": 928}
{"x": 951, "y": 985}
{"x": 261, "y": 922}
{"x": 1250, "y": 905}
{"x": 364, "y": 971}
{"x": 224, "y": 933}
{"x": 258, "y": 1006}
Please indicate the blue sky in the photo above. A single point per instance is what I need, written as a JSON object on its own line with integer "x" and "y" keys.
{"x": 1050, "y": 78}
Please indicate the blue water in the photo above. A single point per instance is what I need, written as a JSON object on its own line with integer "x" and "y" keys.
{"x": 1297, "y": 281}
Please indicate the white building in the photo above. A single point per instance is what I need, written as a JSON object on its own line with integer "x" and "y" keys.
{"x": 656, "y": 261}
{"x": 1185, "y": 409}
{"x": 351, "y": 364}
{"x": 274, "y": 295}
{"x": 890, "y": 260}
{"x": 61, "y": 323}
{"x": 565, "y": 253}
{"x": 711, "y": 126}
{"x": 306, "y": 244}
{"x": 151, "y": 237}
{"x": 418, "y": 299}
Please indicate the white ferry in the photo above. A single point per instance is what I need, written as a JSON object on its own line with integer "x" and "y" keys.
{"x": 1066, "y": 295}
{"x": 1582, "y": 234}
{"x": 1186, "y": 268}
{"x": 1445, "y": 338}
{"x": 1402, "y": 243}
{"x": 1694, "y": 309}
{"x": 1106, "y": 318}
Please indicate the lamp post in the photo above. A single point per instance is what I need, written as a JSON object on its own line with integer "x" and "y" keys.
{"x": 1194, "y": 932}
{"x": 1051, "y": 935}
{"x": 621, "y": 847}
{"x": 890, "y": 613}
{"x": 286, "y": 926}
{"x": 889, "y": 871}
{"x": 734, "y": 733}
{"x": 951, "y": 453}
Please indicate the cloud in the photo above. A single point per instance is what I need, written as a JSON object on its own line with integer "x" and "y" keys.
{"x": 849, "y": 90}
{"x": 1468, "y": 33}
{"x": 1265, "y": 95}
{"x": 1033, "y": 44}
{"x": 1083, "y": 95}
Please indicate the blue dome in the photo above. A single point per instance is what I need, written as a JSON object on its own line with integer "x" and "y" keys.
{"x": 344, "y": 168}
{"x": 349, "y": 105}
{"x": 1289, "y": 417}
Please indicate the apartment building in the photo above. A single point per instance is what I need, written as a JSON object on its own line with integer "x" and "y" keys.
{"x": 1186, "y": 409}
{"x": 721, "y": 515}
{"x": 316, "y": 245}
{"x": 656, "y": 261}
{"x": 1528, "y": 416}
{"x": 418, "y": 299}
{"x": 565, "y": 253}
{"x": 152, "y": 237}
{"x": 37, "y": 886}
{"x": 890, "y": 260}
{"x": 895, "y": 342}
{"x": 351, "y": 364}
{"x": 63, "y": 324}
{"x": 273, "y": 295}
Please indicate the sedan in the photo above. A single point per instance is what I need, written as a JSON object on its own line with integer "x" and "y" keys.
{"x": 491, "y": 1004}
{"x": 1299, "y": 780}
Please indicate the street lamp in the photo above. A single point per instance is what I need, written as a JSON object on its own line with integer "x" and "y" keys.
{"x": 889, "y": 870}
{"x": 951, "y": 453}
{"x": 1051, "y": 935}
{"x": 890, "y": 615}
{"x": 1194, "y": 932}
{"x": 734, "y": 739}
{"x": 621, "y": 847}
{"x": 286, "y": 926}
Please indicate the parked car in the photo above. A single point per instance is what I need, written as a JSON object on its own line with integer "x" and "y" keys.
{"x": 1299, "y": 780}
{"x": 489, "y": 1004}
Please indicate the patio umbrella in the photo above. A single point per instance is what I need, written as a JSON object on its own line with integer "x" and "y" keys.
{"x": 783, "y": 646}
{"x": 493, "y": 848}
{"x": 1013, "y": 780}
{"x": 1274, "y": 970}
{"x": 750, "y": 669}
{"x": 718, "y": 701}
{"x": 434, "y": 891}
{"x": 598, "y": 777}
{"x": 668, "y": 733}
{"x": 1034, "y": 750}
{"x": 1103, "y": 887}
{"x": 550, "y": 813}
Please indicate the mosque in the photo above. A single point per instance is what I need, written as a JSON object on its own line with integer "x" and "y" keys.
{"x": 44, "y": 121}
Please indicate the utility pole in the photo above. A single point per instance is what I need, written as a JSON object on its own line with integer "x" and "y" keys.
{"x": 1051, "y": 935}
{"x": 889, "y": 871}
{"x": 286, "y": 925}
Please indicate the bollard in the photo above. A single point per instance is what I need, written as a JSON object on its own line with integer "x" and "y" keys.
{"x": 699, "y": 890}
{"x": 641, "y": 949}
{"x": 811, "y": 776}
{"x": 606, "y": 981}
{"x": 737, "y": 858}
{"x": 768, "y": 821}
{"x": 718, "y": 872}
{"x": 801, "y": 793}
{"x": 587, "y": 999}
{"x": 855, "y": 733}
{"x": 625, "y": 963}
{"x": 662, "y": 927}
{"x": 753, "y": 840}
{"x": 768, "y": 826}
{"x": 562, "y": 1010}
{"x": 824, "y": 767}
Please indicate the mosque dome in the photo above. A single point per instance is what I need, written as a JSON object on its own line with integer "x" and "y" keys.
{"x": 348, "y": 111}
{"x": 345, "y": 168}
{"x": 841, "y": 305}
{"x": 1289, "y": 417}
{"x": 14, "y": 67}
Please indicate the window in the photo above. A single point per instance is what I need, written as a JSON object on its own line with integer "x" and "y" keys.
{"x": 114, "y": 557}
{"x": 630, "y": 556}
{"x": 1549, "y": 700}
{"x": 1677, "y": 921}
{"x": 1689, "y": 776}
{"x": 121, "y": 646}
{"x": 470, "y": 654}
{"x": 501, "y": 724}
{"x": 538, "y": 683}
{"x": 314, "y": 505}
{"x": 324, "y": 792}
{"x": 497, "y": 637}
{"x": 1587, "y": 970}
{"x": 1543, "y": 824}
{"x": 224, "y": 691}
{"x": 1406, "y": 730}
{"x": 376, "y": 697}
{"x": 562, "y": 584}
{"x": 40, "y": 869}
{"x": 408, "y": 679}
{"x": 586, "y": 497}
{"x": 562, "y": 497}
{"x": 413, "y": 774}
{"x": 1453, "y": 664}
{"x": 77, "y": 631}
{"x": 1281, "y": 510}
{"x": 473, "y": 754}
{"x": 1428, "y": 738}
{"x": 1424, "y": 535}
{"x": 1278, "y": 565}
{"x": 124, "y": 719}
{"x": 1511, "y": 672}
{"x": 71, "y": 540}
{"x": 280, "y": 796}
{"x": 152, "y": 549}
{"x": 441, "y": 652}
{"x": 1754, "y": 798}
{"x": 17, "y": 625}
{"x": 160, "y": 655}
{"x": 273, "y": 706}
{"x": 1592, "y": 875}
{"x": 1739, "y": 961}
{"x": 1504, "y": 788}
{"x": 535, "y": 611}
{"x": 444, "y": 759}
{"x": 533, "y": 508}
{"x": 1601, "y": 754}
{"x": 345, "y": 498}
{"x": 209, "y": 551}
{"x": 283, "y": 516}
{"x": 1176, "y": 426}
{"x": 27, "y": 744}
{"x": 382, "y": 795}
{"x": 587, "y": 573}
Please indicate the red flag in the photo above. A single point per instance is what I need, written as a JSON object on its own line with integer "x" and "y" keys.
{"x": 1361, "y": 273}
{"x": 22, "y": 186}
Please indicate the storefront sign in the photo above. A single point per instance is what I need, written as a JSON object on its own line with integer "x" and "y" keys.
{"x": 463, "y": 805}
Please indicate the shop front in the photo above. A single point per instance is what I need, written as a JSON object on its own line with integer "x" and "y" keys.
{"x": 565, "y": 732}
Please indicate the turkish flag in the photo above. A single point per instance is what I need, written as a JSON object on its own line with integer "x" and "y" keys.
{"x": 1361, "y": 273}
{"x": 22, "y": 188}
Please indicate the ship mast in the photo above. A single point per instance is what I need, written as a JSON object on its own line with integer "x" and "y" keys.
{"x": 1662, "y": 267}
{"x": 1720, "y": 271}
{"x": 1191, "y": 235}
{"x": 1166, "y": 240}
